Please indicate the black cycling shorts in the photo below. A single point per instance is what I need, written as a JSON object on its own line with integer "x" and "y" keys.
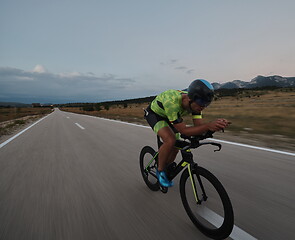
{"x": 156, "y": 121}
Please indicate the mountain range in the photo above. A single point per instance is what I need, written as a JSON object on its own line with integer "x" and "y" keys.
{"x": 14, "y": 104}
{"x": 257, "y": 82}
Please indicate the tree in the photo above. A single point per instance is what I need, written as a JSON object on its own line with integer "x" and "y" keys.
{"x": 97, "y": 107}
{"x": 88, "y": 108}
{"x": 107, "y": 107}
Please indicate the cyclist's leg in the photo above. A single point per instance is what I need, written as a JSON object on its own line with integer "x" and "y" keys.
{"x": 161, "y": 127}
{"x": 166, "y": 151}
{"x": 174, "y": 151}
{"x": 173, "y": 155}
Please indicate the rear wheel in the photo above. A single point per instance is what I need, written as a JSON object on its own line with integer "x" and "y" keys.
{"x": 148, "y": 165}
{"x": 213, "y": 214}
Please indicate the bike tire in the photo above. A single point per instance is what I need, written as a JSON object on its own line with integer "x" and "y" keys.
{"x": 149, "y": 174}
{"x": 217, "y": 196}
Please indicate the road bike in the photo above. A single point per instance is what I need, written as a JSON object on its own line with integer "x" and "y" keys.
{"x": 204, "y": 198}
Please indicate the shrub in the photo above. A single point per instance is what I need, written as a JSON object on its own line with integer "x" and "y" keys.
{"x": 97, "y": 107}
{"x": 20, "y": 122}
{"x": 88, "y": 108}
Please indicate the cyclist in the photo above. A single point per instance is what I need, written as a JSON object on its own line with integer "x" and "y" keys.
{"x": 165, "y": 113}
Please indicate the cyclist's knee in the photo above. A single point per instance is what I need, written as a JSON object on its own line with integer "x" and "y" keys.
{"x": 168, "y": 136}
{"x": 170, "y": 141}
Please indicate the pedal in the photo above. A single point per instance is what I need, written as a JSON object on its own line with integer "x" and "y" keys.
{"x": 171, "y": 167}
{"x": 163, "y": 189}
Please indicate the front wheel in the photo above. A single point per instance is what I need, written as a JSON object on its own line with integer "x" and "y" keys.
{"x": 148, "y": 165}
{"x": 208, "y": 206}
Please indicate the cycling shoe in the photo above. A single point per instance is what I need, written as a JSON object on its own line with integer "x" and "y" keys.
{"x": 163, "y": 180}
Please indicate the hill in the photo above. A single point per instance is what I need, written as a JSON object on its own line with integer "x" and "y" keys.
{"x": 258, "y": 82}
{"x": 14, "y": 104}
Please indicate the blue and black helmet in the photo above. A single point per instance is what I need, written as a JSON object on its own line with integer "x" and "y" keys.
{"x": 201, "y": 92}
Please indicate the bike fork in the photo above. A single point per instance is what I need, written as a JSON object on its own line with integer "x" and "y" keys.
{"x": 198, "y": 201}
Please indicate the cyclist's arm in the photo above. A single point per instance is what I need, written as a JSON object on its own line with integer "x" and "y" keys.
{"x": 190, "y": 131}
{"x": 197, "y": 122}
{"x": 198, "y": 130}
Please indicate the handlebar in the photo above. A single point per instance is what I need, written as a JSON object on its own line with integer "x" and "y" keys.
{"x": 208, "y": 134}
{"x": 195, "y": 141}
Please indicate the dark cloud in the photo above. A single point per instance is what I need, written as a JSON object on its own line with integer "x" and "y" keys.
{"x": 16, "y": 83}
{"x": 180, "y": 68}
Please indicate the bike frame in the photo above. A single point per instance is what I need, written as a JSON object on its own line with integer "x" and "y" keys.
{"x": 196, "y": 174}
{"x": 187, "y": 161}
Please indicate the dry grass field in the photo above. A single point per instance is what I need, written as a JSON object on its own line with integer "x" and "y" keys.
{"x": 266, "y": 118}
{"x": 12, "y": 119}
{"x": 7, "y": 114}
{"x": 271, "y": 113}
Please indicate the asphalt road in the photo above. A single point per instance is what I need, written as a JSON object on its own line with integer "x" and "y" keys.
{"x": 76, "y": 177}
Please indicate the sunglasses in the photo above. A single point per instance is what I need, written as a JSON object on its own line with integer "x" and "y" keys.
{"x": 202, "y": 103}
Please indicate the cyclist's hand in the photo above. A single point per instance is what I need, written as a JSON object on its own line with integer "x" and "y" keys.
{"x": 218, "y": 125}
{"x": 225, "y": 121}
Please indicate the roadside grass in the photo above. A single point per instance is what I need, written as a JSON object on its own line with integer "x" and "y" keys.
{"x": 267, "y": 116}
{"x": 13, "y": 118}
{"x": 268, "y": 113}
{"x": 272, "y": 113}
{"x": 133, "y": 113}
{"x": 7, "y": 114}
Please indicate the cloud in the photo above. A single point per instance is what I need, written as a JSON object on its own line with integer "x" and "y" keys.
{"x": 190, "y": 71}
{"x": 73, "y": 86}
{"x": 172, "y": 63}
{"x": 39, "y": 69}
{"x": 180, "y": 68}
{"x": 169, "y": 62}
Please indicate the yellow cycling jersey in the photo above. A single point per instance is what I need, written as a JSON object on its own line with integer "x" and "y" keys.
{"x": 168, "y": 104}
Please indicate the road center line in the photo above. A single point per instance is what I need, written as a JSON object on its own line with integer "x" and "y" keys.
{"x": 80, "y": 126}
{"x": 206, "y": 213}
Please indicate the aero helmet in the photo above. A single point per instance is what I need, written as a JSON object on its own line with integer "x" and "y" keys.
{"x": 201, "y": 92}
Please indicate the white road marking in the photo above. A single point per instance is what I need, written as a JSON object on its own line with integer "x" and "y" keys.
{"x": 80, "y": 126}
{"x": 209, "y": 215}
{"x": 216, "y": 220}
{"x": 212, "y": 139}
{"x": 15, "y": 136}
{"x": 68, "y": 117}
{"x": 253, "y": 147}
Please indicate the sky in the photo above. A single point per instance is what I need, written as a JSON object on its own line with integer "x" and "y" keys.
{"x": 62, "y": 51}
